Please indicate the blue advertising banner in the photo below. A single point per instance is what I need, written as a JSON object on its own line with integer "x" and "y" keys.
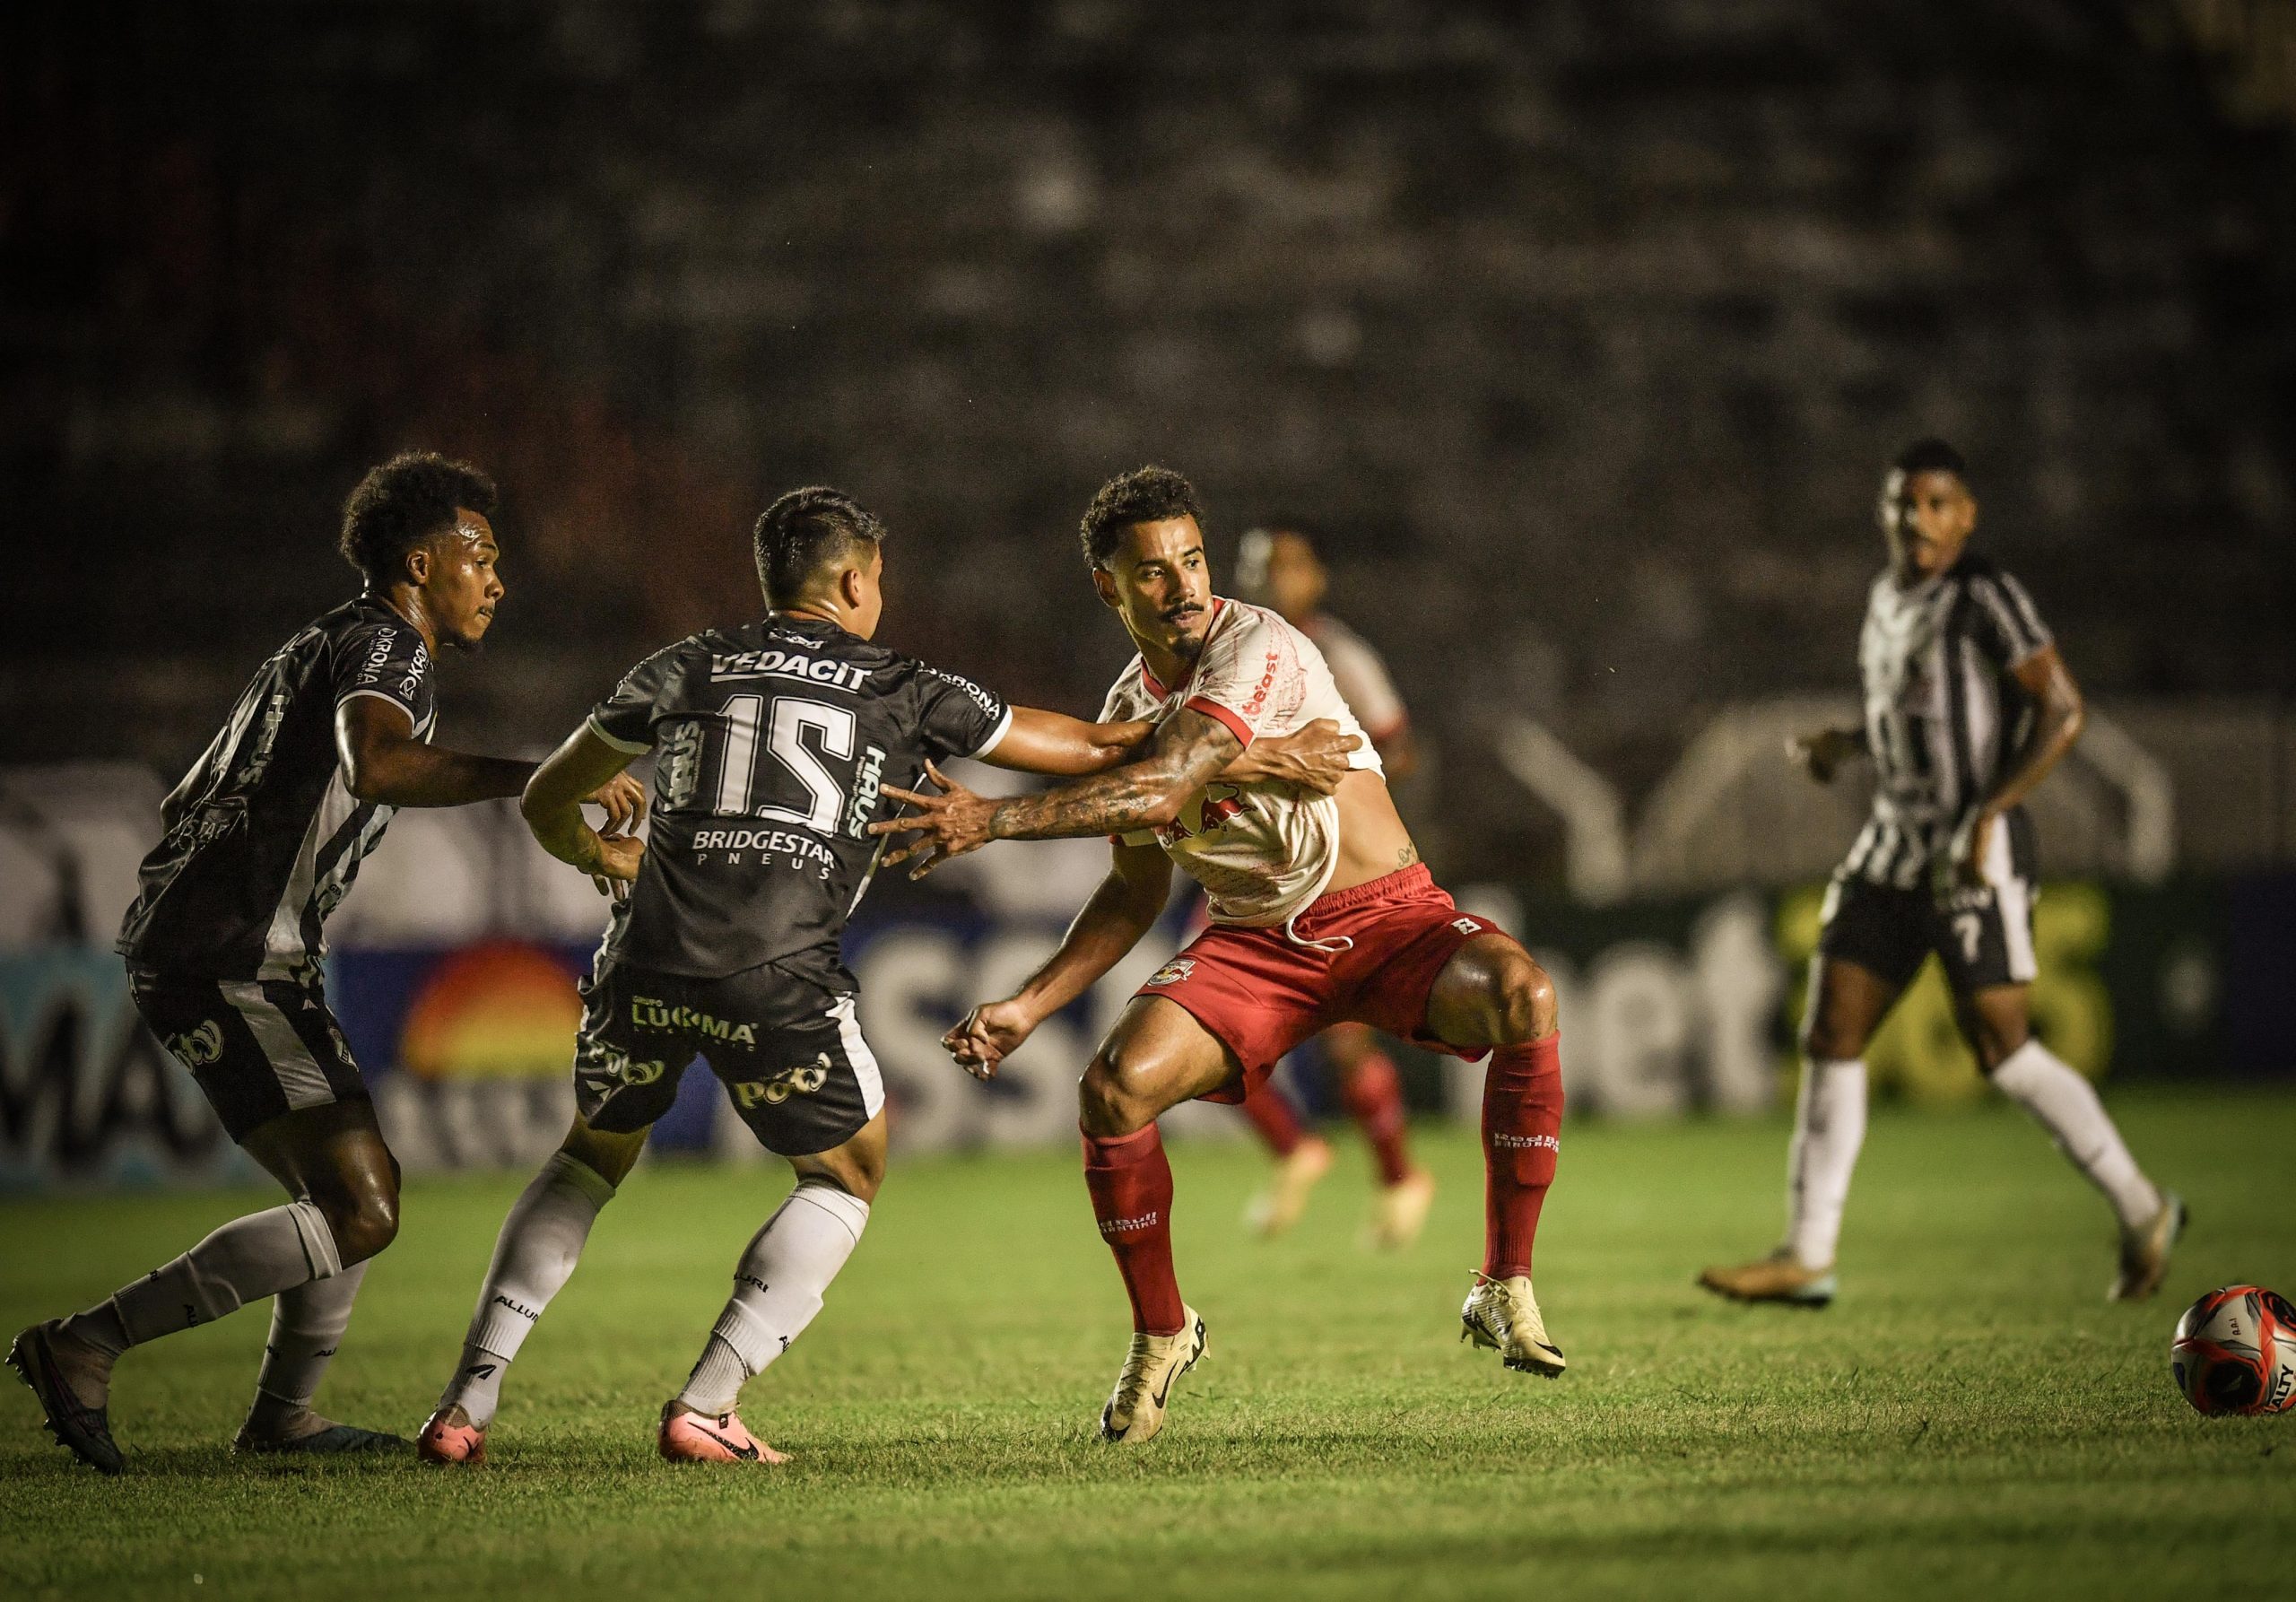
{"x": 1668, "y": 1007}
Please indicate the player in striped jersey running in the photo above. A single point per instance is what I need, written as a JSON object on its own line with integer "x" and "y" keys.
{"x": 1967, "y": 707}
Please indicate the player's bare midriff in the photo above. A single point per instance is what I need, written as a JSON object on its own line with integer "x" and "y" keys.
{"x": 1372, "y": 839}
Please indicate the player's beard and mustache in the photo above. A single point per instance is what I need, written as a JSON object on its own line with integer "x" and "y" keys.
{"x": 1188, "y": 647}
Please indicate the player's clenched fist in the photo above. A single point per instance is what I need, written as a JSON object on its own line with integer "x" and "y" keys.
{"x": 989, "y": 1033}
{"x": 1821, "y": 754}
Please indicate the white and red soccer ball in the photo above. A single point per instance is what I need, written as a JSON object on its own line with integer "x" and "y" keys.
{"x": 2235, "y": 1352}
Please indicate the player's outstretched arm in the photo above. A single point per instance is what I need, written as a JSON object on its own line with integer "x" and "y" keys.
{"x": 1040, "y": 742}
{"x": 383, "y": 761}
{"x": 2059, "y": 712}
{"x": 1188, "y": 750}
{"x": 584, "y": 769}
{"x": 1123, "y": 908}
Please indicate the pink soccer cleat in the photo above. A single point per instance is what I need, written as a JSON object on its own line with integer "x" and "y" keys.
{"x": 705, "y": 1438}
{"x": 451, "y": 1438}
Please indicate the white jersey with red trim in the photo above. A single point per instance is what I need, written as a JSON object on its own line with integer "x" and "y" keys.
{"x": 1262, "y": 851}
{"x": 1361, "y": 675}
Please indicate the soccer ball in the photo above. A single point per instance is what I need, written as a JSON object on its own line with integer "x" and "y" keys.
{"x": 2235, "y": 1352}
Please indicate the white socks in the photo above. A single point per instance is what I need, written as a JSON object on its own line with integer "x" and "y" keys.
{"x": 246, "y": 1260}
{"x": 777, "y": 1289}
{"x": 2065, "y": 1104}
{"x": 307, "y": 1326}
{"x": 541, "y": 1241}
{"x": 1829, "y": 1127}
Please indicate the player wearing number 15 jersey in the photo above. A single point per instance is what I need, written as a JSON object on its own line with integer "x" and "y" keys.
{"x": 1968, "y": 707}
{"x": 772, "y": 744}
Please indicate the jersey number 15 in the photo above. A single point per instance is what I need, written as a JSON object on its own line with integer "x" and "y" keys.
{"x": 740, "y": 774}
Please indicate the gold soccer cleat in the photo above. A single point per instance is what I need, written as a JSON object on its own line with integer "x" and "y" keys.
{"x": 1135, "y": 1408}
{"x": 1503, "y": 1315}
{"x": 1278, "y": 1207}
{"x": 2144, "y": 1253}
{"x": 1399, "y": 1212}
{"x": 1778, "y": 1278}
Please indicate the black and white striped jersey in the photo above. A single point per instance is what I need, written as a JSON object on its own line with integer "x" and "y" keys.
{"x": 263, "y": 837}
{"x": 1944, "y": 715}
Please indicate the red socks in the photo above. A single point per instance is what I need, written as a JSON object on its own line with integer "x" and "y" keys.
{"x": 1372, "y": 1093}
{"x": 1522, "y": 1117}
{"x": 1271, "y": 1114}
{"x": 1131, "y": 1185}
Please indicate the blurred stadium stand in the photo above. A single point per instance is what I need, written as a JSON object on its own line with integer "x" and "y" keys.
{"x": 1584, "y": 326}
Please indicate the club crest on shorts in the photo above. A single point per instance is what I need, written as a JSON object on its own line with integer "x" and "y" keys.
{"x": 199, "y": 1047}
{"x": 1171, "y": 973}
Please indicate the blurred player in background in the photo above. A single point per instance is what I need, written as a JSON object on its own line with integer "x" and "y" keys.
{"x": 1322, "y": 913}
{"x": 1277, "y": 567}
{"x": 1967, "y": 707}
{"x": 773, "y": 744}
{"x": 224, "y": 941}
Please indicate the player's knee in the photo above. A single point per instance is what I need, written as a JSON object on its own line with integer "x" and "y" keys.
{"x": 1516, "y": 1000}
{"x": 1112, "y": 1098}
{"x": 364, "y": 1220}
{"x": 1527, "y": 1010}
{"x": 859, "y": 1172}
{"x": 1818, "y": 1041}
{"x": 1996, "y": 1043}
{"x": 1825, "y": 1039}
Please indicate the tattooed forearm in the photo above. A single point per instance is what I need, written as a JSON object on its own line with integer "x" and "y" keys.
{"x": 1189, "y": 751}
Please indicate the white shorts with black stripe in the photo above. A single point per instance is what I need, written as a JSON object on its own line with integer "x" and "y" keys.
{"x": 788, "y": 1051}
{"x": 259, "y": 1047}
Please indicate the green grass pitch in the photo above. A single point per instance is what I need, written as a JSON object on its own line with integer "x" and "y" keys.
{"x": 1971, "y": 1419}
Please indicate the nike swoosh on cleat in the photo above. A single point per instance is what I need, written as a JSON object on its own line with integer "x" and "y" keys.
{"x": 748, "y": 1454}
{"x": 1181, "y": 1368}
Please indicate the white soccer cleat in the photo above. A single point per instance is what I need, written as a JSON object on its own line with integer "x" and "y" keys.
{"x": 1279, "y": 1207}
{"x": 1503, "y": 1315}
{"x": 1135, "y": 1408}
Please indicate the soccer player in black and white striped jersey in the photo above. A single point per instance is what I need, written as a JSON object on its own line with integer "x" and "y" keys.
{"x": 1967, "y": 707}
{"x": 225, "y": 942}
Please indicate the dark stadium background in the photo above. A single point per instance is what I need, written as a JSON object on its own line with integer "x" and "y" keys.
{"x": 1582, "y": 329}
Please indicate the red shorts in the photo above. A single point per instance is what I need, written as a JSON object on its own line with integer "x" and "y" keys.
{"x": 1262, "y": 994}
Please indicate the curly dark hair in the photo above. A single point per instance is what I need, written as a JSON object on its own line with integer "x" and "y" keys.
{"x": 1143, "y": 495}
{"x": 403, "y": 505}
{"x": 1931, "y": 455}
{"x": 804, "y": 532}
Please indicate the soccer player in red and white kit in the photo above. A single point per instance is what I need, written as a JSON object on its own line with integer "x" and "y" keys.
{"x": 1277, "y": 567}
{"x": 1321, "y": 913}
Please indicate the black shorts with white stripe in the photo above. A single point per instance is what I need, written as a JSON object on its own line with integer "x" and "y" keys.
{"x": 259, "y": 1047}
{"x": 788, "y": 1051}
{"x": 1982, "y": 932}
